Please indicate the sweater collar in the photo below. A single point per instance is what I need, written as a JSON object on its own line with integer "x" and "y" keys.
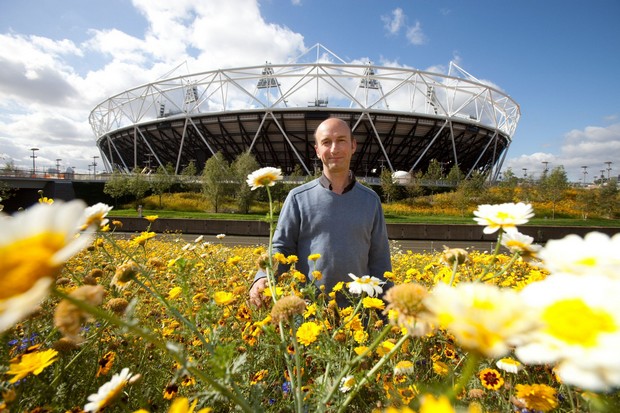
{"x": 325, "y": 183}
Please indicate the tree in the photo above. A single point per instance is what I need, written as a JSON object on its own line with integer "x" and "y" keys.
{"x": 508, "y": 186}
{"x": 214, "y": 177}
{"x": 433, "y": 173}
{"x": 455, "y": 175}
{"x": 188, "y": 175}
{"x": 388, "y": 186}
{"x": 117, "y": 186}
{"x": 608, "y": 199}
{"x": 470, "y": 190}
{"x": 243, "y": 165}
{"x": 553, "y": 186}
{"x": 138, "y": 185}
{"x": 162, "y": 180}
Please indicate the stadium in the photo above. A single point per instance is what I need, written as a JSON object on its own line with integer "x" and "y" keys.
{"x": 402, "y": 118}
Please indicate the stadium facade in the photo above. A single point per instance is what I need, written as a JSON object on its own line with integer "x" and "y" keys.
{"x": 402, "y": 118}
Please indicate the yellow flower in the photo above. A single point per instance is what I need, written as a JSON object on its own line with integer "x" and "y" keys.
{"x": 314, "y": 257}
{"x": 174, "y": 292}
{"x": 338, "y": 286}
{"x": 371, "y": 302}
{"x": 264, "y": 177}
{"x": 432, "y": 405}
{"x": 360, "y": 350}
{"x": 142, "y": 238}
{"x": 278, "y": 256}
{"x": 384, "y": 348}
{"x": 317, "y": 275}
{"x": 307, "y": 333}
{"x": 151, "y": 218}
{"x": 234, "y": 260}
{"x": 105, "y": 363}
{"x": 440, "y": 368}
{"x": 292, "y": 259}
{"x": 181, "y": 405}
{"x": 45, "y": 200}
{"x": 268, "y": 292}
{"x": 223, "y": 297}
{"x": 403, "y": 367}
{"x": 258, "y": 376}
{"x": 539, "y": 397}
{"x": 34, "y": 244}
{"x": 491, "y": 379}
{"x": 31, "y": 363}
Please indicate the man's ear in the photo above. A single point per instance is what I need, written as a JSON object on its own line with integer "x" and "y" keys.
{"x": 353, "y": 145}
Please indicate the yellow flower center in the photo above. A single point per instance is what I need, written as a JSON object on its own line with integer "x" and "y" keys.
{"x": 574, "y": 322}
{"x": 25, "y": 261}
{"x": 588, "y": 261}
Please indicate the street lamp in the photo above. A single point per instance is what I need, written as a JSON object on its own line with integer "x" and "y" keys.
{"x": 546, "y": 163}
{"x": 58, "y": 166}
{"x": 608, "y": 163}
{"x": 524, "y": 172}
{"x": 95, "y": 166}
{"x": 33, "y": 156}
{"x": 585, "y": 171}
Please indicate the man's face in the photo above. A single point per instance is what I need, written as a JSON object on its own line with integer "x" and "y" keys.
{"x": 334, "y": 146}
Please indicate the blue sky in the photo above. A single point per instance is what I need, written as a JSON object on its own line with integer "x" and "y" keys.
{"x": 559, "y": 60}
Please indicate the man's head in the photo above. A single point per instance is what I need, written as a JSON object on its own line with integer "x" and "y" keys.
{"x": 334, "y": 145}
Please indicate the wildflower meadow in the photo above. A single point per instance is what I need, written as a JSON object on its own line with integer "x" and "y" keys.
{"x": 91, "y": 322}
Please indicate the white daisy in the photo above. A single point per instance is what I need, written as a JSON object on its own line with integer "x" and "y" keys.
{"x": 596, "y": 253}
{"x": 369, "y": 285}
{"x": 510, "y": 365}
{"x": 482, "y": 318}
{"x": 96, "y": 215}
{"x": 347, "y": 383}
{"x": 517, "y": 242}
{"x": 109, "y": 391}
{"x": 34, "y": 244}
{"x": 266, "y": 176}
{"x": 505, "y": 216}
{"x": 580, "y": 331}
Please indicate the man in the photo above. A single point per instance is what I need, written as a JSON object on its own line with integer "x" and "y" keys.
{"x": 334, "y": 216}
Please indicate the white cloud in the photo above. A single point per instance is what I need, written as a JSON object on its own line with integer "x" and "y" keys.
{"x": 45, "y": 102}
{"x": 591, "y": 147}
{"x": 415, "y": 35}
{"x": 394, "y": 22}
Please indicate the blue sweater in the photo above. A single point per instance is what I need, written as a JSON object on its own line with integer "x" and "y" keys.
{"x": 348, "y": 230}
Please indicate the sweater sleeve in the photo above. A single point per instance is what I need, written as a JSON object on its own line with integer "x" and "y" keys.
{"x": 379, "y": 260}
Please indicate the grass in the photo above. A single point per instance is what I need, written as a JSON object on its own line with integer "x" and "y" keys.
{"x": 390, "y": 218}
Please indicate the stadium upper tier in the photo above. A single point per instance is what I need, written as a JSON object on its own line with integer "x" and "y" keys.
{"x": 402, "y": 118}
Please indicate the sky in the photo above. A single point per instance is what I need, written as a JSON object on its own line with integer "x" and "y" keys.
{"x": 559, "y": 60}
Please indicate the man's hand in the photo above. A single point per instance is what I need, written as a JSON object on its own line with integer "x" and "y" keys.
{"x": 256, "y": 292}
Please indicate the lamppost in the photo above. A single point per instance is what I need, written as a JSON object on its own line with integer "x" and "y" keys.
{"x": 33, "y": 156}
{"x": 524, "y": 172}
{"x": 95, "y": 166}
{"x": 58, "y": 166}
{"x": 585, "y": 172}
{"x": 608, "y": 163}
{"x": 546, "y": 163}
